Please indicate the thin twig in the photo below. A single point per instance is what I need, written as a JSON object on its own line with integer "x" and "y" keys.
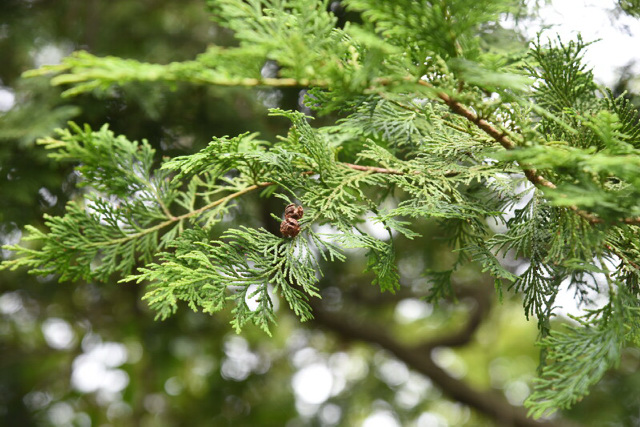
{"x": 173, "y": 219}
{"x": 187, "y": 215}
{"x": 501, "y": 137}
{"x": 373, "y": 169}
{"x": 622, "y": 257}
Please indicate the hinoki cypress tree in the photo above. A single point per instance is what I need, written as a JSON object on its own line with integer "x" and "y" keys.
{"x": 434, "y": 123}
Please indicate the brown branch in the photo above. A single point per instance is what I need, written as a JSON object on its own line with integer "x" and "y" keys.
{"x": 373, "y": 169}
{"x": 372, "y": 297}
{"x": 480, "y": 296}
{"x": 622, "y": 257}
{"x": 480, "y": 309}
{"x": 503, "y": 139}
{"x": 376, "y": 169}
{"x": 499, "y": 136}
{"x": 486, "y": 402}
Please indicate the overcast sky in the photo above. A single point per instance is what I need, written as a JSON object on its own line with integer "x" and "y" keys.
{"x": 619, "y": 34}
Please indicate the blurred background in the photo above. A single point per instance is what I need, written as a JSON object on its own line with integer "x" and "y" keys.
{"x": 90, "y": 354}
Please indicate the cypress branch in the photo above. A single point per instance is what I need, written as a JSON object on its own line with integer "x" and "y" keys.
{"x": 433, "y": 126}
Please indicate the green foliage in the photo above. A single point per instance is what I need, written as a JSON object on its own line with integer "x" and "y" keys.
{"x": 601, "y": 178}
{"x": 578, "y": 357}
{"x": 632, "y": 7}
{"x": 564, "y": 82}
{"x": 246, "y": 263}
{"x": 431, "y": 126}
{"x": 419, "y": 26}
{"x": 565, "y": 380}
{"x": 296, "y": 34}
{"x": 441, "y": 286}
{"x": 117, "y": 224}
{"x": 112, "y": 165}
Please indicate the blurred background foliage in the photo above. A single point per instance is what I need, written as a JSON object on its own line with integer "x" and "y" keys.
{"x": 91, "y": 354}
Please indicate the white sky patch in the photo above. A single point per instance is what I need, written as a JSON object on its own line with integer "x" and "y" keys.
{"x": 253, "y": 295}
{"x": 525, "y": 192}
{"x": 240, "y": 361}
{"x": 348, "y": 366}
{"x": 325, "y": 229}
{"x": 37, "y": 400}
{"x": 407, "y": 399}
{"x": 114, "y": 381}
{"x": 270, "y": 98}
{"x": 566, "y": 300}
{"x": 318, "y": 378}
{"x": 330, "y": 414}
{"x": 305, "y": 356}
{"x": 10, "y": 234}
{"x": 313, "y": 384}
{"x": 173, "y": 386}
{"x": 516, "y": 392}
{"x": 431, "y": 419}
{"x": 393, "y": 372}
{"x": 269, "y": 69}
{"x": 48, "y": 197}
{"x": 413, "y": 391}
{"x": 619, "y": 34}
{"x": 110, "y": 354}
{"x": 381, "y": 419}
{"x": 58, "y": 334}
{"x": 61, "y": 414}
{"x": 95, "y": 370}
{"x": 7, "y": 99}
{"x": 376, "y": 228}
{"x": 306, "y": 410}
{"x": 10, "y": 303}
{"x": 412, "y": 309}
{"x": 448, "y": 360}
{"x": 50, "y": 54}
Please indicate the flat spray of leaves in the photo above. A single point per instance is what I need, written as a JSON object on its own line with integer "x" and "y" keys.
{"x": 244, "y": 264}
{"x": 117, "y": 222}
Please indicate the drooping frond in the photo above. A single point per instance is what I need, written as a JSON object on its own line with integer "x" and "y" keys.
{"x": 578, "y": 357}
